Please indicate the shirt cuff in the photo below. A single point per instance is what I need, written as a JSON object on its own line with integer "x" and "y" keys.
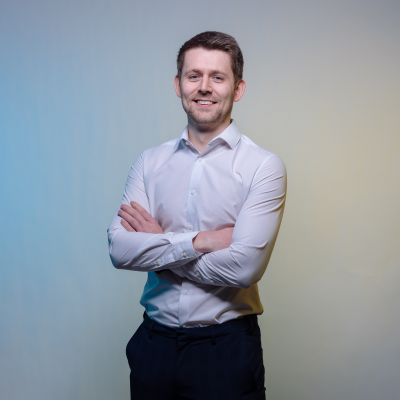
{"x": 182, "y": 246}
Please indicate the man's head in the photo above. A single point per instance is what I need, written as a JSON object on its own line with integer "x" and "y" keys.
{"x": 209, "y": 78}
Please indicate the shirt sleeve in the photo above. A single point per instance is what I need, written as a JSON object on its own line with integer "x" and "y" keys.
{"x": 245, "y": 261}
{"x": 141, "y": 251}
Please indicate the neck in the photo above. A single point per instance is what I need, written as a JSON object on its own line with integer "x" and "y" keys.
{"x": 200, "y": 136}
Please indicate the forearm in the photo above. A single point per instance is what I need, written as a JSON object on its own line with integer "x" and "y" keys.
{"x": 140, "y": 251}
{"x": 209, "y": 241}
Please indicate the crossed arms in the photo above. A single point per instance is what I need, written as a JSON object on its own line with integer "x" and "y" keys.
{"x": 235, "y": 257}
{"x": 136, "y": 219}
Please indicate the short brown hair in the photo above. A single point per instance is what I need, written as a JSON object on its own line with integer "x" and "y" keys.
{"x": 212, "y": 40}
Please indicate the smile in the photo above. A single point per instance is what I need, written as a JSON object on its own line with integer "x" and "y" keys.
{"x": 205, "y": 102}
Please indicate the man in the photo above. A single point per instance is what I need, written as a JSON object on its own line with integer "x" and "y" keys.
{"x": 200, "y": 214}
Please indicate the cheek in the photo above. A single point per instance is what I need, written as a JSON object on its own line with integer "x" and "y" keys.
{"x": 224, "y": 99}
{"x": 188, "y": 91}
{"x": 224, "y": 93}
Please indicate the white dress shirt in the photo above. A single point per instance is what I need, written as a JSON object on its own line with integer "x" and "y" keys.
{"x": 233, "y": 182}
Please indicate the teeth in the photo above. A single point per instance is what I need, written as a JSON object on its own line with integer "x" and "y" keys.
{"x": 204, "y": 102}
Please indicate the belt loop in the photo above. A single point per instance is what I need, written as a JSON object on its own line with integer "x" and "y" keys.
{"x": 151, "y": 329}
{"x": 212, "y": 335}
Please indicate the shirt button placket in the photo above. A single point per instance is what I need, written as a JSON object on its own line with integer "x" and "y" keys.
{"x": 194, "y": 191}
{"x": 184, "y": 302}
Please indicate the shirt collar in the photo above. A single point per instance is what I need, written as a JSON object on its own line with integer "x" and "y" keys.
{"x": 230, "y": 135}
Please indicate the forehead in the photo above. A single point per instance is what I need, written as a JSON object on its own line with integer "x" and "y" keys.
{"x": 207, "y": 60}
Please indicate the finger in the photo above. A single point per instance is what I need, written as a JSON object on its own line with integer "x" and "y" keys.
{"x": 142, "y": 211}
{"x": 134, "y": 213}
{"x": 127, "y": 226}
{"x": 133, "y": 222}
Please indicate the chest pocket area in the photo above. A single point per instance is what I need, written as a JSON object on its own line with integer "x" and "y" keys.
{"x": 220, "y": 199}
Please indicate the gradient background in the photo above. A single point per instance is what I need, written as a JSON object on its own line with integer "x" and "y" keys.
{"x": 85, "y": 86}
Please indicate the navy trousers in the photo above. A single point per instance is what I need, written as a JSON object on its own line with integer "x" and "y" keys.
{"x": 217, "y": 362}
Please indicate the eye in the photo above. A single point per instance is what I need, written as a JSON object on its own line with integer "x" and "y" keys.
{"x": 193, "y": 76}
{"x": 218, "y": 78}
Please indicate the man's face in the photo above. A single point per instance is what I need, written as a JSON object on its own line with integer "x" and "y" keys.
{"x": 207, "y": 87}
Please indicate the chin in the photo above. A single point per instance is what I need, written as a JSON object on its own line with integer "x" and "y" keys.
{"x": 205, "y": 119}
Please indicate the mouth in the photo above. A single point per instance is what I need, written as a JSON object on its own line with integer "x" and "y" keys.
{"x": 204, "y": 103}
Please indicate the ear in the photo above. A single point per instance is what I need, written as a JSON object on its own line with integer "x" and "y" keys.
{"x": 240, "y": 88}
{"x": 177, "y": 87}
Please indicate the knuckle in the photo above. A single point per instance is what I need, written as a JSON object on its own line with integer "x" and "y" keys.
{"x": 146, "y": 226}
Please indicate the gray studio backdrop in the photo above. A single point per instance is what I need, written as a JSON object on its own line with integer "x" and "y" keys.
{"x": 85, "y": 86}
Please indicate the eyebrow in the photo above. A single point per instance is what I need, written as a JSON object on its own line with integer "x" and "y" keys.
{"x": 214, "y": 71}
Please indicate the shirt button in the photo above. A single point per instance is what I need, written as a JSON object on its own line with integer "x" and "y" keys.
{"x": 158, "y": 262}
{"x": 187, "y": 143}
{"x": 190, "y": 227}
{"x": 200, "y": 159}
{"x": 197, "y": 273}
{"x": 183, "y": 326}
{"x": 193, "y": 192}
{"x": 184, "y": 254}
{"x": 186, "y": 292}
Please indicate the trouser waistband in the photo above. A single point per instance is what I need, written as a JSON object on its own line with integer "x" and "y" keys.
{"x": 211, "y": 331}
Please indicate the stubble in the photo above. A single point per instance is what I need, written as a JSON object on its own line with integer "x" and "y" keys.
{"x": 207, "y": 119}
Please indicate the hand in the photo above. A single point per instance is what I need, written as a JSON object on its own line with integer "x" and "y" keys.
{"x": 136, "y": 219}
{"x": 208, "y": 241}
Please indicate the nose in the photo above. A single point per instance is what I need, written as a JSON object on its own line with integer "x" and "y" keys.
{"x": 205, "y": 86}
